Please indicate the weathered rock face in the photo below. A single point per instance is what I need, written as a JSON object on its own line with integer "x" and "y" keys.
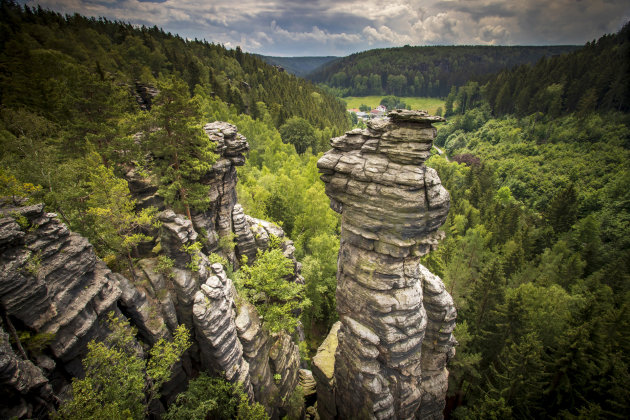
{"x": 324, "y": 374}
{"x": 217, "y": 220}
{"x": 50, "y": 282}
{"x": 396, "y": 318}
{"x": 22, "y": 379}
{"x": 214, "y": 315}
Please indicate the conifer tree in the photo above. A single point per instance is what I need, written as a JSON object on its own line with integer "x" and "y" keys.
{"x": 183, "y": 153}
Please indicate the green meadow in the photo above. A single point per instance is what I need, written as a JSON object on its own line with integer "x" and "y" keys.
{"x": 428, "y": 104}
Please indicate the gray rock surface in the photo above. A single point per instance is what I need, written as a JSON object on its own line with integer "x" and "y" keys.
{"x": 214, "y": 317}
{"x": 52, "y": 282}
{"x": 307, "y": 382}
{"x": 256, "y": 345}
{"x": 18, "y": 379}
{"x": 388, "y": 364}
{"x": 216, "y": 221}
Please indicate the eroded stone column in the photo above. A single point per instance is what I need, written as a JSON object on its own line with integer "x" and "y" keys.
{"x": 392, "y": 206}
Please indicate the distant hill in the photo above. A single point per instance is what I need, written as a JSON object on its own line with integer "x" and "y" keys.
{"x": 299, "y": 66}
{"x": 595, "y": 77}
{"x": 424, "y": 71}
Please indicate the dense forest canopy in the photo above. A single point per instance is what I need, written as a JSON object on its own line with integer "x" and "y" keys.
{"x": 423, "y": 71}
{"x": 40, "y": 45}
{"x": 536, "y": 253}
{"x": 596, "y": 76}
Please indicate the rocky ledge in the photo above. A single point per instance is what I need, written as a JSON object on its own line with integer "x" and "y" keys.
{"x": 395, "y": 336}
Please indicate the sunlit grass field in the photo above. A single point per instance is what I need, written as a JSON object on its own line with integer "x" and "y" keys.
{"x": 427, "y": 104}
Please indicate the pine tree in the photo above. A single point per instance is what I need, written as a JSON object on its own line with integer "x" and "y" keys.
{"x": 183, "y": 153}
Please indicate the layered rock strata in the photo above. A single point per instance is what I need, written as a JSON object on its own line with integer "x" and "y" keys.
{"x": 23, "y": 379}
{"x": 52, "y": 282}
{"x": 214, "y": 315}
{"x": 389, "y": 305}
{"x": 51, "y": 285}
{"x": 216, "y": 221}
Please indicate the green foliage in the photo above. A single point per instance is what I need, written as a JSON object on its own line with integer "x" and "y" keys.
{"x": 216, "y": 258}
{"x": 193, "y": 250}
{"x": 226, "y": 243}
{"x": 214, "y": 398}
{"x": 595, "y": 77}
{"x": 115, "y": 386}
{"x": 277, "y": 184}
{"x": 294, "y": 405}
{"x": 14, "y": 190}
{"x": 111, "y": 221}
{"x": 33, "y": 263}
{"x": 34, "y": 344}
{"x": 165, "y": 266}
{"x": 183, "y": 153}
{"x": 529, "y": 265}
{"x": 264, "y": 284}
{"x": 298, "y": 132}
{"x": 393, "y": 102}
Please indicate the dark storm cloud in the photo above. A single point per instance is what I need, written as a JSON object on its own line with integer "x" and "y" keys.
{"x": 329, "y": 27}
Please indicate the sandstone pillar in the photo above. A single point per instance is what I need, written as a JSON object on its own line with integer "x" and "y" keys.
{"x": 396, "y": 318}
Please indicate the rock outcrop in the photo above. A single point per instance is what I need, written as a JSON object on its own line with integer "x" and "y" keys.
{"x": 324, "y": 374}
{"x": 396, "y": 318}
{"x": 21, "y": 379}
{"x": 216, "y": 221}
{"x": 52, "y": 282}
{"x": 51, "y": 285}
{"x": 214, "y": 315}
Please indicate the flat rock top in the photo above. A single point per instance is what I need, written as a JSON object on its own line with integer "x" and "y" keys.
{"x": 413, "y": 116}
{"x": 220, "y": 127}
{"x": 324, "y": 360}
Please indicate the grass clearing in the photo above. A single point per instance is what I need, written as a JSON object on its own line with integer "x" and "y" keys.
{"x": 428, "y": 104}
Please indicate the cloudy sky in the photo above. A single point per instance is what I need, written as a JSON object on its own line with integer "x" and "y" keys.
{"x": 341, "y": 27}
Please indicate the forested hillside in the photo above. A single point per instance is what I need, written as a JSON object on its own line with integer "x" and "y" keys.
{"x": 70, "y": 117}
{"x": 423, "y": 71}
{"x": 596, "y": 76}
{"x": 73, "y": 51}
{"x": 537, "y": 253}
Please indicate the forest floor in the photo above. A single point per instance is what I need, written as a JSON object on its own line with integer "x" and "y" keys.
{"x": 424, "y": 103}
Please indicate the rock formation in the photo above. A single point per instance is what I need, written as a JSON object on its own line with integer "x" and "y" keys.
{"x": 396, "y": 318}
{"x": 216, "y": 222}
{"x": 52, "y": 282}
{"x": 214, "y": 319}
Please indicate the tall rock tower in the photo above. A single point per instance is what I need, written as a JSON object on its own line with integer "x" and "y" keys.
{"x": 396, "y": 317}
